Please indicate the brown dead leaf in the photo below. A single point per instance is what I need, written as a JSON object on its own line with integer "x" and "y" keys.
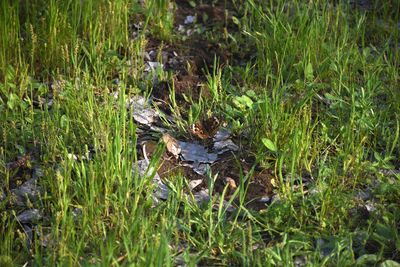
{"x": 172, "y": 145}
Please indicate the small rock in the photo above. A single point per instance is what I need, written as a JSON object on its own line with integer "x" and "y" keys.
{"x": 196, "y": 153}
{"x": 152, "y": 54}
{"x": 153, "y": 66}
{"x": 72, "y": 156}
{"x": 141, "y": 111}
{"x": 325, "y": 246}
{"x": 189, "y": 32}
{"x": 300, "y": 261}
{"x": 370, "y": 206}
{"x": 223, "y": 143}
{"x": 199, "y": 168}
{"x": 364, "y": 195}
{"x": 265, "y": 199}
{"x": 314, "y": 191}
{"x": 181, "y": 28}
{"x": 76, "y": 213}
{"x": 202, "y": 197}
{"x": 37, "y": 172}
{"x": 146, "y": 56}
{"x": 189, "y": 20}
{"x": 224, "y": 146}
{"x": 27, "y": 191}
{"x": 30, "y": 216}
{"x": 275, "y": 198}
{"x": 47, "y": 241}
{"x": 222, "y": 134}
{"x": 228, "y": 207}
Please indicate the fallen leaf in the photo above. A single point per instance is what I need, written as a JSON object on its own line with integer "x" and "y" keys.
{"x": 196, "y": 153}
{"x": 152, "y": 66}
{"x": 222, "y": 142}
{"x": 141, "y": 111}
{"x": 195, "y": 183}
{"x": 173, "y": 146}
{"x": 231, "y": 183}
{"x": 224, "y": 146}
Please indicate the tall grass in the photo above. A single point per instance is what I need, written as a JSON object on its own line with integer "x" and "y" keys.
{"x": 322, "y": 90}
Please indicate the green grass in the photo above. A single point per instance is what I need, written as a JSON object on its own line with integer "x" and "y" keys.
{"x": 322, "y": 89}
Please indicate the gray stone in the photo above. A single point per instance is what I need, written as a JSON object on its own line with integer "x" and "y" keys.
{"x": 30, "y": 216}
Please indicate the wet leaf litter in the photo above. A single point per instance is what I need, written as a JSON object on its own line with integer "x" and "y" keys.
{"x": 186, "y": 153}
{"x": 207, "y": 147}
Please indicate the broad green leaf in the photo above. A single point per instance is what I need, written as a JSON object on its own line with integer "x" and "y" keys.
{"x": 246, "y": 100}
{"x": 235, "y": 20}
{"x": 309, "y": 72}
{"x": 269, "y": 144}
{"x": 12, "y": 101}
{"x": 64, "y": 123}
{"x": 389, "y": 263}
{"x": 367, "y": 259}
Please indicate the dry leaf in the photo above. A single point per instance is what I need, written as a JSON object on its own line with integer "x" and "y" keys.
{"x": 195, "y": 183}
{"x": 231, "y": 184}
{"x": 172, "y": 145}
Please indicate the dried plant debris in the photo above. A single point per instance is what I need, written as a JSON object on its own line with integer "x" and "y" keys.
{"x": 206, "y": 128}
{"x": 144, "y": 169}
{"x": 28, "y": 191}
{"x": 152, "y": 66}
{"x": 31, "y": 216}
{"x": 22, "y": 162}
{"x": 197, "y": 157}
{"x": 364, "y": 195}
{"x": 29, "y": 235}
{"x": 224, "y": 146}
{"x": 231, "y": 184}
{"x": 196, "y": 153}
{"x": 197, "y": 167}
{"x": 142, "y": 111}
{"x": 195, "y": 183}
{"x": 223, "y": 143}
{"x": 172, "y": 145}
